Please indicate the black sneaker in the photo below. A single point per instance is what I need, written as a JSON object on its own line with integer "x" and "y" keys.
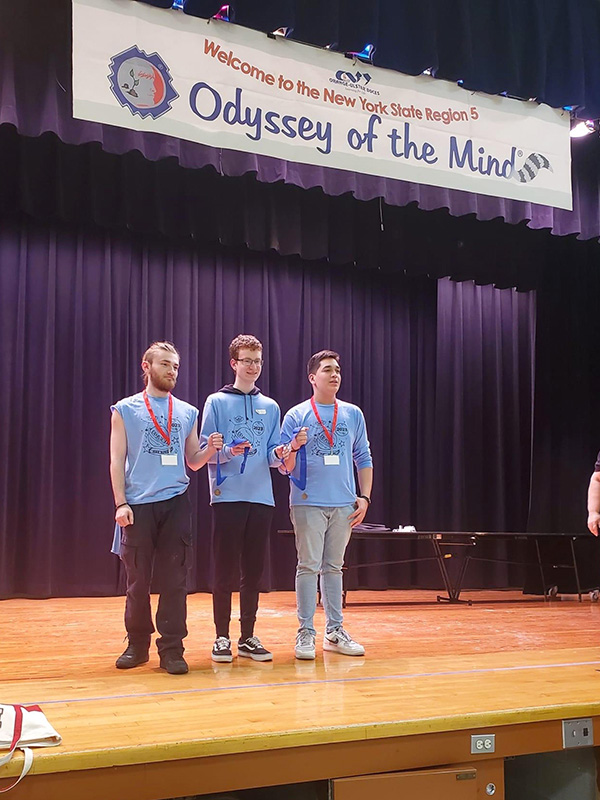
{"x": 134, "y": 655}
{"x": 174, "y": 663}
{"x": 222, "y": 649}
{"x": 252, "y": 648}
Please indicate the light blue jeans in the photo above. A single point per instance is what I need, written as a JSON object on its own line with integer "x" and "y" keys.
{"x": 322, "y": 535}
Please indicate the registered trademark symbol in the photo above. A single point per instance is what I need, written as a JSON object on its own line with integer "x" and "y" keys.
{"x": 519, "y": 153}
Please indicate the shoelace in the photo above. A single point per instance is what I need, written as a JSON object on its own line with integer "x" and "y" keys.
{"x": 222, "y": 643}
{"x": 342, "y": 634}
{"x": 305, "y": 638}
{"x": 253, "y": 641}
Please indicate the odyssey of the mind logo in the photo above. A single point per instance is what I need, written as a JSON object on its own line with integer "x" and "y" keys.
{"x": 141, "y": 82}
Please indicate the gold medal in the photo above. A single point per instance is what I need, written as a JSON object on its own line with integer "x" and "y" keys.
{"x": 217, "y": 492}
{"x": 304, "y": 496}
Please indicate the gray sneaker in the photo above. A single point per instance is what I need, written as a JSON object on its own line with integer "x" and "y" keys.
{"x": 340, "y": 641}
{"x": 305, "y": 644}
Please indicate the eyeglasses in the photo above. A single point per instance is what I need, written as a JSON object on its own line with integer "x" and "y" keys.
{"x": 248, "y": 362}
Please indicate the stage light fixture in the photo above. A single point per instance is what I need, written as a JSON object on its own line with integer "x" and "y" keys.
{"x": 584, "y": 128}
{"x": 366, "y": 54}
{"x": 178, "y": 4}
{"x": 284, "y": 32}
{"x": 223, "y": 14}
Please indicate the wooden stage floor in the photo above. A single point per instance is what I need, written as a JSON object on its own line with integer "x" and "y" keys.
{"x": 432, "y": 673}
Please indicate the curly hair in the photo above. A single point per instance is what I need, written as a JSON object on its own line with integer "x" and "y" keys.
{"x": 243, "y": 340}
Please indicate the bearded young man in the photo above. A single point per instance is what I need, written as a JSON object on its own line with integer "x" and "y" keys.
{"x": 153, "y": 436}
{"x": 326, "y": 507}
{"x": 241, "y": 494}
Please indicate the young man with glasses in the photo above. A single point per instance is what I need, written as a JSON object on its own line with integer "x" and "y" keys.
{"x": 325, "y": 505}
{"x": 241, "y": 494}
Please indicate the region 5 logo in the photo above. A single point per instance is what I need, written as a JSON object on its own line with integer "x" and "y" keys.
{"x": 141, "y": 82}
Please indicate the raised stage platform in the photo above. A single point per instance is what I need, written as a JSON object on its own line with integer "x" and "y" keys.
{"x": 433, "y": 675}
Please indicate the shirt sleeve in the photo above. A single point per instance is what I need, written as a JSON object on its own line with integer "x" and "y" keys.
{"x": 274, "y": 437}
{"x": 287, "y": 428}
{"x": 194, "y": 413}
{"x": 210, "y": 425}
{"x": 361, "y": 449}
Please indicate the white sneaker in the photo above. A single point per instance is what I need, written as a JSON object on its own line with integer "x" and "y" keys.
{"x": 340, "y": 641}
{"x": 305, "y": 644}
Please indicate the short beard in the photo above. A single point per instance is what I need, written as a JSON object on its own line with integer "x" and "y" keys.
{"x": 162, "y": 384}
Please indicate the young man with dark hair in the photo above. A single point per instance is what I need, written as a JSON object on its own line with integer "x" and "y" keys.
{"x": 241, "y": 494}
{"x": 323, "y": 513}
{"x": 152, "y": 433}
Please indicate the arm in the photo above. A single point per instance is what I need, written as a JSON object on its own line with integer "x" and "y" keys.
{"x": 196, "y": 456}
{"x": 287, "y": 452}
{"x": 211, "y": 423}
{"x": 361, "y": 453}
{"x": 118, "y": 454}
{"x": 365, "y": 481}
{"x": 593, "y": 521}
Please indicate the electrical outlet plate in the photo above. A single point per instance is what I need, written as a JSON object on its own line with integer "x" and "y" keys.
{"x": 578, "y": 732}
{"x": 483, "y": 744}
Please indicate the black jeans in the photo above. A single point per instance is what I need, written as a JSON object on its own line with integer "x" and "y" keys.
{"x": 240, "y": 535}
{"x": 159, "y": 545}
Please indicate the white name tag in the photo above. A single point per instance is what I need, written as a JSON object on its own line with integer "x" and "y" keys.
{"x": 261, "y": 410}
{"x": 169, "y": 460}
{"x": 331, "y": 460}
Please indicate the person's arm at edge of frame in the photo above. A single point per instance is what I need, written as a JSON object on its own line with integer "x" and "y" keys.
{"x": 118, "y": 454}
{"x": 593, "y": 521}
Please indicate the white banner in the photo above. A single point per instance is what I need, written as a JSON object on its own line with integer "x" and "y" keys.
{"x": 148, "y": 69}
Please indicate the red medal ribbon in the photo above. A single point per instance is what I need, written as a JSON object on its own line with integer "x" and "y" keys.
{"x": 328, "y": 435}
{"x": 166, "y": 436}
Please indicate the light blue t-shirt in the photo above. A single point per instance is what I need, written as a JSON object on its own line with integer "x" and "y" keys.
{"x": 147, "y": 480}
{"x": 254, "y": 418}
{"x": 331, "y": 486}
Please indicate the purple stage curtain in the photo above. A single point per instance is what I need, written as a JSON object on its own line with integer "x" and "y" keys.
{"x": 35, "y": 97}
{"x": 78, "y": 307}
{"x": 566, "y": 432}
{"x": 82, "y": 184}
{"x": 484, "y": 393}
{"x": 567, "y": 429}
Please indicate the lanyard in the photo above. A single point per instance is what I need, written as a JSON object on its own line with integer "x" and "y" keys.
{"x": 222, "y": 478}
{"x": 166, "y": 436}
{"x": 328, "y": 435}
{"x": 299, "y": 482}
